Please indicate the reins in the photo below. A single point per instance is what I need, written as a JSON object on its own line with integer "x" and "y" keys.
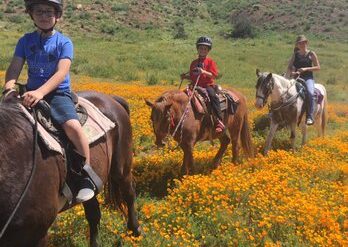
{"x": 186, "y": 109}
{"x": 28, "y": 182}
{"x": 288, "y": 102}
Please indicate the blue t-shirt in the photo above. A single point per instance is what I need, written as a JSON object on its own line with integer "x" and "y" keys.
{"x": 42, "y": 55}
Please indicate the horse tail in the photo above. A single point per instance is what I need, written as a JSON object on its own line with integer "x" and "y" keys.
{"x": 246, "y": 137}
{"x": 122, "y": 102}
{"x": 120, "y": 186}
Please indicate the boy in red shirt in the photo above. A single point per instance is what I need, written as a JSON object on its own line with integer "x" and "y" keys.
{"x": 207, "y": 69}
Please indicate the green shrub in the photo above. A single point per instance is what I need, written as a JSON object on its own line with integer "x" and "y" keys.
{"x": 152, "y": 79}
{"x": 16, "y": 18}
{"x": 243, "y": 28}
{"x": 108, "y": 28}
{"x": 120, "y": 7}
{"x": 179, "y": 30}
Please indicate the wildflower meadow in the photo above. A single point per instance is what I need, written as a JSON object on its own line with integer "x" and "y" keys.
{"x": 284, "y": 199}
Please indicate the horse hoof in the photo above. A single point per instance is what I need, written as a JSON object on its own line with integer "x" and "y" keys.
{"x": 139, "y": 231}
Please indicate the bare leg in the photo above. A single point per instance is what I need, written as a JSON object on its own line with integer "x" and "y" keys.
{"x": 75, "y": 134}
{"x": 270, "y": 136}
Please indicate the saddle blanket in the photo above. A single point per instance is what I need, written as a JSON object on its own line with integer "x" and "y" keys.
{"x": 96, "y": 126}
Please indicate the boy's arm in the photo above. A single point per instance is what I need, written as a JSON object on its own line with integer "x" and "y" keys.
{"x": 13, "y": 72}
{"x": 32, "y": 97}
{"x": 211, "y": 71}
{"x": 63, "y": 69}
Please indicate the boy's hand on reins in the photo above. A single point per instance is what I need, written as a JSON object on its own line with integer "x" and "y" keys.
{"x": 31, "y": 98}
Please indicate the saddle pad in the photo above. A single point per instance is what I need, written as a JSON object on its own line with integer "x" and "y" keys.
{"x": 97, "y": 123}
{"x": 46, "y": 137}
{"x": 318, "y": 95}
{"x": 232, "y": 94}
{"x": 96, "y": 126}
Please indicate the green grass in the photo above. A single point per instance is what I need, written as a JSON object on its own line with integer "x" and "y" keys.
{"x": 153, "y": 56}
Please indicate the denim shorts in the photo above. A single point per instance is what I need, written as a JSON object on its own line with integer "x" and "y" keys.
{"x": 62, "y": 106}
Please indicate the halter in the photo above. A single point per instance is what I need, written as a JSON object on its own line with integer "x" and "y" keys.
{"x": 266, "y": 88}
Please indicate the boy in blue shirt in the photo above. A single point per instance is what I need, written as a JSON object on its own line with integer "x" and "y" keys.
{"x": 49, "y": 54}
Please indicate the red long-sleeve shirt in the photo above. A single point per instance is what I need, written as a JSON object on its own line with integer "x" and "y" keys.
{"x": 207, "y": 64}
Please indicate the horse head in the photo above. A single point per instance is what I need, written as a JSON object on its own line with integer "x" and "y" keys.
{"x": 264, "y": 87}
{"x": 161, "y": 119}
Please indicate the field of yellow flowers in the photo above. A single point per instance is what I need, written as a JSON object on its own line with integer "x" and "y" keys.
{"x": 284, "y": 199}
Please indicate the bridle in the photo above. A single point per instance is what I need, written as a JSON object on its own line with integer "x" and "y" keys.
{"x": 266, "y": 87}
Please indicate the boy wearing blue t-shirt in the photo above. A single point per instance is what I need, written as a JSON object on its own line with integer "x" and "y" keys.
{"x": 48, "y": 54}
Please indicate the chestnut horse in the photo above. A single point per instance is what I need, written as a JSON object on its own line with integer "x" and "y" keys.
{"x": 167, "y": 111}
{"x": 111, "y": 159}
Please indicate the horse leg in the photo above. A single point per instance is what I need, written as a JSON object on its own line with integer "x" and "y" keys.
{"x": 93, "y": 215}
{"x": 224, "y": 141}
{"x": 270, "y": 136}
{"x": 128, "y": 193}
{"x": 304, "y": 133}
{"x": 43, "y": 242}
{"x": 292, "y": 135}
{"x": 187, "y": 165}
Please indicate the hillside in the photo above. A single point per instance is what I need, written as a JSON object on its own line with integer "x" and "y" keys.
{"x": 323, "y": 18}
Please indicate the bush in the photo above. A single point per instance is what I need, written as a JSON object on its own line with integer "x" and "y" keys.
{"x": 16, "y": 18}
{"x": 243, "y": 28}
{"x": 108, "y": 28}
{"x": 152, "y": 79}
{"x": 179, "y": 30}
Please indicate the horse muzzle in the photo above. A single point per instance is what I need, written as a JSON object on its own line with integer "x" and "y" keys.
{"x": 259, "y": 103}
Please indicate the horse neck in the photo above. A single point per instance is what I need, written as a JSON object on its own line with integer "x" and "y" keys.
{"x": 282, "y": 86}
{"x": 179, "y": 105}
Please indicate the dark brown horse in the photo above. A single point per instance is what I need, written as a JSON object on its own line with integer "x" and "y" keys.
{"x": 167, "y": 111}
{"x": 111, "y": 158}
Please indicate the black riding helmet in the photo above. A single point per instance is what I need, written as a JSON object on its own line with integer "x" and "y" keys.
{"x": 57, "y": 4}
{"x": 204, "y": 40}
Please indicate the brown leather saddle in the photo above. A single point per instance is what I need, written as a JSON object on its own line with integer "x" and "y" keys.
{"x": 200, "y": 101}
{"x": 44, "y": 116}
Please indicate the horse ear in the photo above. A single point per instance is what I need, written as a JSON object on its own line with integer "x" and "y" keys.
{"x": 149, "y": 103}
{"x": 258, "y": 73}
{"x": 269, "y": 77}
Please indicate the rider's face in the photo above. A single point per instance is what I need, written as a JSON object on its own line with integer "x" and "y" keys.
{"x": 203, "y": 50}
{"x": 44, "y": 16}
{"x": 302, "y": 45}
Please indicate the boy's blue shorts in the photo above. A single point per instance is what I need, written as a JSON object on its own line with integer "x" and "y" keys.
{"x": 62, "y": 106}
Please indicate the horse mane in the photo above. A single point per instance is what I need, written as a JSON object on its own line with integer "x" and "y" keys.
{"x": 284, "y": 81}
{"x": 11, "y": 116}
{"x": 13, "y": 123}
{"x": 175, "y": 97}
